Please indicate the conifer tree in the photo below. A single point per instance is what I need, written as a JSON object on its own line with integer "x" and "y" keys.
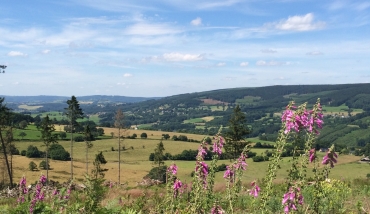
{"x": 119, "y": 123}
{"x": 73, "y": 113}
{"x": 236, "y": 133}
{"x": 47, "y": 128}
{"x": 4, "y": 126}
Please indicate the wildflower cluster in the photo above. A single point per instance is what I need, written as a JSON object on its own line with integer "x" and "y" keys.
{"x": 255, "y": 189}
{"x": 330, "y": 157}
{"x": 301, "y": 119}
{"x": 292, "y": 198}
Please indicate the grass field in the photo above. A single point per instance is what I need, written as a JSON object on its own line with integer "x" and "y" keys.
{"x": 339, "y": 110}
{"x": 29, "y": 108}
{"x": 135, "y": 164}
{"x": 248, "y": 100}
{"x": 194, "y": 120}
{"x": 60, "y": 115}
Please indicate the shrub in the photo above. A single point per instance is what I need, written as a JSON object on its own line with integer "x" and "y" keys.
{"x": 79, "y": 138}
{"x": 32, "y": 166}
{"x": 258, "y": 158}
{"x": 157, "y": 173}
{"x": 42, "y": 165}
{"x": 57, "y": 152}
{"x": 221, "y": 167}
{"x": 143, "y": 135}
{"x": 33, "y": 152}
{"x": 23, "y": 152}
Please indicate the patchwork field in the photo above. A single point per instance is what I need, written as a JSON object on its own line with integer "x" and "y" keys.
{"x": 135, "y": 163}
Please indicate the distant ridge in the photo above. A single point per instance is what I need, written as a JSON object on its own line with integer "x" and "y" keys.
{"x": 63, "y": 99}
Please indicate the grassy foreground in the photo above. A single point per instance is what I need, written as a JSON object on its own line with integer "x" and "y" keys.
{"x": 135, "y": 162}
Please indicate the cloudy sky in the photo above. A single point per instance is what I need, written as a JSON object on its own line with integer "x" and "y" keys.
{"x": 167, "y": 47}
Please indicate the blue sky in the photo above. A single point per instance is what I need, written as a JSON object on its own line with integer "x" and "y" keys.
{"x": 168, "y": 47}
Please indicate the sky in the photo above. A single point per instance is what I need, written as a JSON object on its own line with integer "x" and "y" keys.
{"x": 166, "y": 47}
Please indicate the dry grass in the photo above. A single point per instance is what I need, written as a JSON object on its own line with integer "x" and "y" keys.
{"x": 135, "y": 162}
{"x": 27, "y": 107}
{"x": 151, "y": 134}
{"x": 209, "y": 118}
{"x": 212, "y": 101}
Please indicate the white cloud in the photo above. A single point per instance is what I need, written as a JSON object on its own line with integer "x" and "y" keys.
{"x": 270, "y": 63}
{"x": 196, "y": 22}
{"x": 268, "y": 51}
{"x": 182, "y": 57}
{"x": 17, "y": 53}
{"x": 244, "y": 64}
{"x": 220, "y": 64}
{"x": 314, "y": 53}
{"x": 127, "y": 75}
{"x": 299, "y": 23}
{"x": 45, "y": 51}
{"x": 146, "y": 29}
{"x": 121, "y": 83}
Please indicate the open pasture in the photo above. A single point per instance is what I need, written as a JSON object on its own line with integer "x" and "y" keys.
{"x": 135, "y": 162}
{"x": 29, "y": 108}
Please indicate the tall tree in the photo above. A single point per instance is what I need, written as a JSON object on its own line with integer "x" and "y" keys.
{"x": 47, "y": 128}
{"x": 235, "y": 135}
{"x": 88, "y": 138}
{"x": 73, "y": 113}
{"x": 159, "y": 157}
{"x": 4, "y": 126}
{"x": 119, "y": 123}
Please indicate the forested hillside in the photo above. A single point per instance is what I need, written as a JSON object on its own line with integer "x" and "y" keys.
{"x": 346, "y": 108}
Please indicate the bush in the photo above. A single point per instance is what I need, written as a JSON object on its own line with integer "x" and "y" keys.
{"x": 251, "y": 154}
{"x": 79, "y": 138}
{"x": 23, "y": 152}
{"x": 157, "y": 173}
{"x": 258, "y": 159}
{"x": 42, "y": 165}
{"x": 33, "y": 152}
{"x": 57, "y": 152}
{"x": 32, "y": 166}
{"x": 221, "y": 167}
{"x": 143, "y": 135}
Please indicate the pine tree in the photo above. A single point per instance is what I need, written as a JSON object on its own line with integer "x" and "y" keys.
{"x": 120, "y": 124}
{"x": 5, "y": 127}
{"x": 159, "y": 157}
{"x": 88, "y": 138}
{"x": 73, "y": 113}
{"x": 235, "y": 136}
{"x": 47, "y": 128}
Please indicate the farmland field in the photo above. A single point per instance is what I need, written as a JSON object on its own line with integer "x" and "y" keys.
{"x": 135, "y": 164}
{"x": 29, "y": 108}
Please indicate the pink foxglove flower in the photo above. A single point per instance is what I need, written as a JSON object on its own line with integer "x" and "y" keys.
{"x": 218, "y": 145}
{"x": 172, "y": 169}
{"x": 42, "y": 179}
{"x": 330, "y": 157}
{"x": 292, "y": 198}
{"x": 176, "y": 186}
{"x": 217, "y": 209}
{"x": 255, "y": 189}
{"x": 229, "y": 173}
{"x": 312, "y": 155}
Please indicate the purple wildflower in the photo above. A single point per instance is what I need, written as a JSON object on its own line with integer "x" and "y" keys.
{"x": 255, "y": 189}
{"x": 42, "y": 179}
{"x": 202, "y": 152}
{"x": 172, "y": 169}
{"x": 218, "y": 145}
{"x": 176, "y": 186}
{"x": 312, "y": 155}
{"x": 229, "y": 173}
{"x": 217, "y": 209}
{"x": 330, "y": 157}
{"x": 291, "y": 198}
